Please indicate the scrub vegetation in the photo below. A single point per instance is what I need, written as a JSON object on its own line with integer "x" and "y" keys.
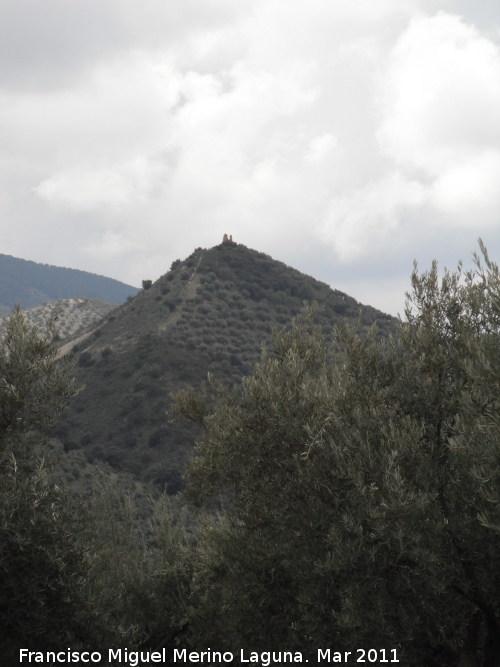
{"x": 209, "y": 314}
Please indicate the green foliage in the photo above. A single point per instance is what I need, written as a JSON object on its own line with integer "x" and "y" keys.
{"x": 138, "y": 585}
{"x": 362, "y": 484}
{"x": 42, "y": 563}
{"x": 74, "y": 571}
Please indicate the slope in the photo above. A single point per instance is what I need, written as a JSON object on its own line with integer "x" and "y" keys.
{"x": 209, "y": 313}
{"x": 75, "y": 313}
{"x": 30, "y": 284}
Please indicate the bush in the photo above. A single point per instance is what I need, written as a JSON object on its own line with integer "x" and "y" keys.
{"x": 171, "y": 304}
{"x": 158, "y": 437}
{"x": 86, "y": 360}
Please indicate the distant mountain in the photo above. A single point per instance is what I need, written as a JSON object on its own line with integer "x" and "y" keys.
{"x": 75, "y": 313}
{"x": 209, "y": 313}
{"x": 31, "y": 284}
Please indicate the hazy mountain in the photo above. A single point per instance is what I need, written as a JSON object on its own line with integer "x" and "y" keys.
{"x": 209, "y": 313}
{"x": 31, "y": 284}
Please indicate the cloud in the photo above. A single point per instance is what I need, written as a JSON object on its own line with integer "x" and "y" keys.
{"x": 102, "y": 143}
{"x": 94, "y": 188}
{"x": 320, "y": 147}
{"x": 363, "y": 221}
{"x": 338, "y": 137}
{"x": 44, "y": 46}
{"x": 468, "y": 188}
{"x": 441, "y": 102}
{"x": 110, "y": 245}
{"x": 439, "y": 130}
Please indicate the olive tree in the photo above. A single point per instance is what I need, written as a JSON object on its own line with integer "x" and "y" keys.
{"x": 361, "y": 484}
{"x": 41, "y": 559}
{"x": 74, "y": 571}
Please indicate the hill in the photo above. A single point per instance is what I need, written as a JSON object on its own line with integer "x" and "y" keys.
{"x": 31, "y": 284}
{"x": 76, "y": 313}
{"x": 209, "y": 313}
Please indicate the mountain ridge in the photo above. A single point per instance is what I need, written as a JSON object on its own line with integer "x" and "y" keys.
{"x": 31, "y": 284}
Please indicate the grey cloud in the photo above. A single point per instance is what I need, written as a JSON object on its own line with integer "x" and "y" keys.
{"x": 45, "y": 45}
{"x": 485, "y": 14}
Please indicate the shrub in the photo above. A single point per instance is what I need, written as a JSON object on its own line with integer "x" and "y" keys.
{"x": 158, "y": 437}
{"x": 85, "y": 357}
{"x": 171, "y": 304}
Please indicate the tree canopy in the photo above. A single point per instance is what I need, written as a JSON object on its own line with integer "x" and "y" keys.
{"x": 73, "y": 571}
{"x": 41, "y": 560}
{"x": 361, "y": 485}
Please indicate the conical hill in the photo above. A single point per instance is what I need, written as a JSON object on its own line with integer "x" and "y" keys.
{"x": 209, "y": 313}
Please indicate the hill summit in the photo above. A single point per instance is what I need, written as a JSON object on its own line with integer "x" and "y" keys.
{"x": 209, "y": 313}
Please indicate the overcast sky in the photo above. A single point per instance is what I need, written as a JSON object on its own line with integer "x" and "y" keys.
{"x": 345, "y": 138}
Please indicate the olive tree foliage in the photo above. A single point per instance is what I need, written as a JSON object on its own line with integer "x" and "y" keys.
{"x": 362, "y": 485}
{"x": 74, "y": 571}
{"x": 138, "y": 584}
{"x": 41, "y": 561}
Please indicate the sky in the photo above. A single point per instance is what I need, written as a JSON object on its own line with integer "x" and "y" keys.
{"x": 346, "y": 139}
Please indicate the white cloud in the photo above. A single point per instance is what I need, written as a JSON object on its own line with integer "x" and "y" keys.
{"x": 441, "y": 103}
{"x": 363, "y": 130}
{"x": 363, "y": 221}
{"x": 110, "y": 245}
{"x": 94, "y": 188}
{"x": 320, "y": 147}
{"x": 470, "y": 188}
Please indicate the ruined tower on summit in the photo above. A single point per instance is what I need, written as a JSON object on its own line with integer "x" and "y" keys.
{"x": 227, "y": 239}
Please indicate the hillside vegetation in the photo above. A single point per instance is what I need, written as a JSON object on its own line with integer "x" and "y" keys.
{"x": 210, "y": 313}
{"x": 75, "y": 313}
